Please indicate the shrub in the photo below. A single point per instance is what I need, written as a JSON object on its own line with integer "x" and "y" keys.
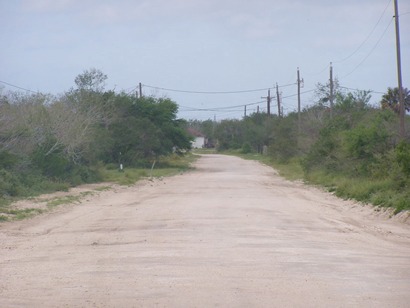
{"x": 403, "y": 157}
{"x": 246, "y": 148}
{"x": 7, "y": 160}
{"x": 9, "y": 184}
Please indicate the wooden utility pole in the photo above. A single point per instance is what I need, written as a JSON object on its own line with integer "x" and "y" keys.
{"x": 278, "y": 99}
{"x": 257, "y": 109}
{"x": 401, "y": 98}
{"x": 299, "y": 81}
{"x": 140, "y": 89}
{"x": 245, "y": 112}
{"x": 268, "y": 99}
{"x": 331, "y": 90}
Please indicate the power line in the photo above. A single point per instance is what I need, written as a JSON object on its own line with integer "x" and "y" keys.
{"x": 292, "y": 95}
{"x": 321, "y": 71}
{"x": 367, "y": 38}
{"x": 360, "y": 46}
{"x": 371, "y": 51}
{"x": 232, "y": 109}
{"x": 18, "y": 87}
{"x": 215, "y": 92}
{"x": 287, "y": 85}
{"x": 211, "y": 110}
{"x": 205, "y": 92}
{"x": 360, "y": 90}
{"x": 222, "y": 108}
{"x": 133, "y": 89}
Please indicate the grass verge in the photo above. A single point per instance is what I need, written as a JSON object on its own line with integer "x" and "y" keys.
{"x": 165, "y": 166}
{"x": 378, "y": 192}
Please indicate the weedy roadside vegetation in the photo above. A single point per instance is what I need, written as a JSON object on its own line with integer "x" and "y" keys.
{"x": 165, "y": 166}
{"x": 53, "y": 142}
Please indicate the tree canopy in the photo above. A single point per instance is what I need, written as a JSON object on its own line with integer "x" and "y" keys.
{"x": 63, "y": 137}
{"x": 390, "y": 100}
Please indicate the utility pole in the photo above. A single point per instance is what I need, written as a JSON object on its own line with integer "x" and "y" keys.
{"x": 140, "y": 89}
{"x": 401, "y": 98}
{"x": 278, "y": 99}
{"x": 299, "y": 82}
{"x": 268, "y": 99}
{"x": 257, "y": 109}
{"x": 213, "y": 126}
{"x": 245, "y": 112}
{"x": 331, "y": 90}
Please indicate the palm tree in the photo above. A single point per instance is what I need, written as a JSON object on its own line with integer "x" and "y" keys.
{"x": 390, "y": 100}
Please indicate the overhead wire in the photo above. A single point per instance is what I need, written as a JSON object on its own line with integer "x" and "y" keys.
{"x": 360, "y": 46}
{"x": 371, "y": 51}
{"x": 347, "y": 88}
{"x": 132, "y": 90}
{"x": 287, "y": 85}
{"x": 367, "y": 38}
{"x": 320, "y": 72}
{"x": 18, "y": 87}
{"x": 303, "y": 92}
{"x": 205, "y": 92}
{"x": 222, "y": 108}
{"x": 216, "y": 92}
{"x": 232, "y": 108}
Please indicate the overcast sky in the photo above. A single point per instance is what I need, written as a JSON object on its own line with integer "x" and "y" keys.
{"x": 205, "y": 46}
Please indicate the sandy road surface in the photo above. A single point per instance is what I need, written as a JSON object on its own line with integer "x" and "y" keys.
{"x": 229, "y": 234}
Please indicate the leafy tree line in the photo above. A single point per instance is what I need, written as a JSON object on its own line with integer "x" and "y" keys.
{"x": 47, "y": 140}
{"x": 354, "y": 149}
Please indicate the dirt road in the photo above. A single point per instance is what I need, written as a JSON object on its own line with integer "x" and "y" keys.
{"x": 229, "y": 234}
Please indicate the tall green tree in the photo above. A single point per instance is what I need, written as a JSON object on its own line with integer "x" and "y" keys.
{"x": 91, "y": 80}
{"x": 390, "y": 100}
{"x": 146, "y": 128}
{"x": 322, "y": 92}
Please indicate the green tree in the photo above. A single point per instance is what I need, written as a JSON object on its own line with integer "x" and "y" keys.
{"x": 229, "y": 134}
{"x": 403, "y": 157}
{"x": 390, "y": 100}
{"x": 353, "y": 102}
{"x": 322, "y": 92}
{"x": 257, "y": 130}
{"x": 284, "y": 144}
{"x": 91, "y": 80}
{"x": 145, "y": 129}
{"x": 24, "y": 122}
